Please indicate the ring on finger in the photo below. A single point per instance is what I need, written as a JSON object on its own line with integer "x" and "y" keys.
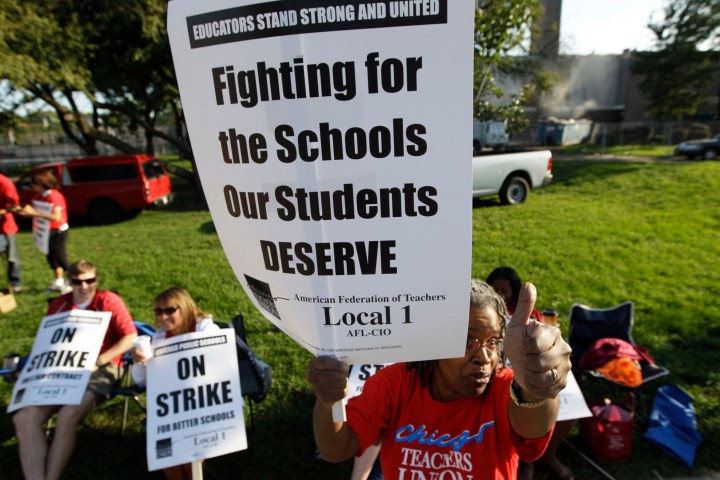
{"x": 554, "y": 374}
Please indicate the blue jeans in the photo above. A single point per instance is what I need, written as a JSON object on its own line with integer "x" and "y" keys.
{"x": 8, "y": 246}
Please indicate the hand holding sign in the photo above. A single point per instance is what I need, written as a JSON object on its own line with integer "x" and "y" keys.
{"x": 329, "y": 378}
{"x": 539, "y": 356}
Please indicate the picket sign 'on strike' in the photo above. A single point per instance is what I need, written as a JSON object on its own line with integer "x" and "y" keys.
{"x": 333, "y": 143}
{"x": 195, "y": 406}
{"x": 62, "y": 359}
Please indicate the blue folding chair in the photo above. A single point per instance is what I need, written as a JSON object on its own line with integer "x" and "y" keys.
{"x": 124, "y": 386}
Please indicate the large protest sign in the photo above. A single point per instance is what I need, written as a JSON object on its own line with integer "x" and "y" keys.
{"x": 62, "y": 358}
{"x": 194, "y": 402}
{"x": 333, "y": 142}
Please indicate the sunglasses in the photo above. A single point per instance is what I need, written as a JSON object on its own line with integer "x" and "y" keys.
{"x": 166, "y": 310}
{"x": 77, "y": 282}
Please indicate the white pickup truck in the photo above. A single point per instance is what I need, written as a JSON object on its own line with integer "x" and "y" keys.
{"x": 511, "y": 175}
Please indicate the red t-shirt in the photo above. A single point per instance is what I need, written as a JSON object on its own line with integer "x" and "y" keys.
{"x": 8, "y": 197}
{"x": 56, "y": 199}
{"x": 468, "y": 438}
{"x": 121, "y": 323}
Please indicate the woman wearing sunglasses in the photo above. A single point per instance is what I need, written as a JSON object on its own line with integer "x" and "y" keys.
{"x": 175, "y": 313}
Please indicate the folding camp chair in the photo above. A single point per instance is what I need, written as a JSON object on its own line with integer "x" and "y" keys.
{"x": 255, "y": 376}
{"x": 124, "y": 386}
{"x": 588, "y": 325}
{"x": 12, "y": 364}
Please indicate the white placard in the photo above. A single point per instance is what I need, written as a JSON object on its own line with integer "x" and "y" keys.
{"x": 194, "y": 401}
{"x": 41, "y": 226}
{"x": 333, "y": 143}
{"x": 62, "y": 359}
{"x": 572, "y": 402}
{"x": 359, "y": 374}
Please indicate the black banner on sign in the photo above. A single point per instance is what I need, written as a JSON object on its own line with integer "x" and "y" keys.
{"x": 291, "y": 17}
{"x": 190, "y": 345}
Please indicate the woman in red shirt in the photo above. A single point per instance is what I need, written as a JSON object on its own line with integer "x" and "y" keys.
{"x": 49, "y": 198}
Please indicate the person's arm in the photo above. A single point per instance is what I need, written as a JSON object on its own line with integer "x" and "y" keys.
{"x": 540, "y": 359}
{"x": 363, "y": 464}
{"x": 336, "y": 441}
{"x": 532, "y": 422}
{"x": 10, "y": 196}
{"x": 122, "y": 324}
{"x": 138, "y": 371}
{"x": 120, "y": 347}
{"x": 29, "y": 211}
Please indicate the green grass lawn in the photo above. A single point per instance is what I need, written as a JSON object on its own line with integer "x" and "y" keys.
{"x": 641, "y": 150}
{"x": 602, "y": 233}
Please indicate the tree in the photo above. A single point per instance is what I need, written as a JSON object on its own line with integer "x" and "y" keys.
{"x": 501, "y": 28}
{"x": 114, "y": 54}
{"x": 41, "y": 57}
{"x": 678, "y": 72}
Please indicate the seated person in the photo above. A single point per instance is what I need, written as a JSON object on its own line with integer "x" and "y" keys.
{"x": 37, "y": 458}
{"x": 506, "y": 282}
{"x": 176, "y": 313}
{"x": 475, "y": 415}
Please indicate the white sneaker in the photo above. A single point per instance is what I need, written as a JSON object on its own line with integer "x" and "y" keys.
{"x": 58, "y": 285}
{"x": 52, "y": 289}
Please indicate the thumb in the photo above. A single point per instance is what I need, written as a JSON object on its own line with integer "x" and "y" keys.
{"x": 526, "y": 302}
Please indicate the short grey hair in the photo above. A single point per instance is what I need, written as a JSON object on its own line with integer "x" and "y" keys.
{"x": 482, "y": 295}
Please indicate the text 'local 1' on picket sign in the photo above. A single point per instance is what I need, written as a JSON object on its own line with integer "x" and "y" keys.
{"x": 333, "y": 145}
{"x": 194, "y": 402}
{"x": 62, "y": 359}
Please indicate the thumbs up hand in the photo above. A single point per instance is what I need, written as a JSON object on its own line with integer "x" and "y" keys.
{"x": 539, "y": 356}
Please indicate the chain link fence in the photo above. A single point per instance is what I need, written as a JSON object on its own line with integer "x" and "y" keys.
{"x": 610, "y": 134}
{"x": 43, "y": 146}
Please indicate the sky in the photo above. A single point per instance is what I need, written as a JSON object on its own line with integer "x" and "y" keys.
{"x": 607, "y": 26}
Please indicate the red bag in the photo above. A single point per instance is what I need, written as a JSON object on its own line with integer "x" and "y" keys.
{"x": 608, "y": 432}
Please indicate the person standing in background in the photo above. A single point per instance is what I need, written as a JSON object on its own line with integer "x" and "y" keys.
{"x": 8, "y": 244}
{"x": 45, "y": 184}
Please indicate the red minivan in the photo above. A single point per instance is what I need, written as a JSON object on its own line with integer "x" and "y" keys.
{"x": 106, "y": 188}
